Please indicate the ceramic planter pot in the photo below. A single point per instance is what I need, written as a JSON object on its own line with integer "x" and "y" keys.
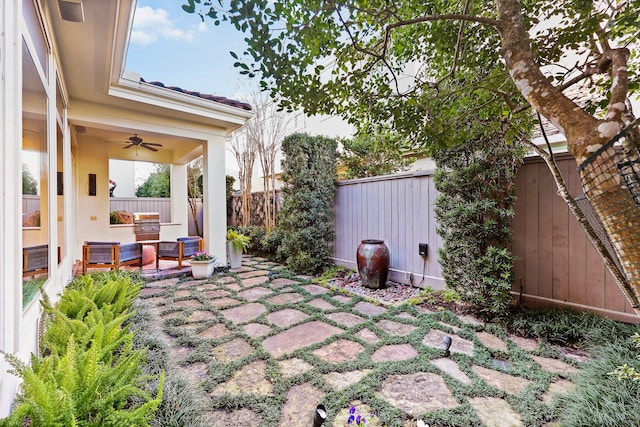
{"x": 202, "y": 269}
{"x": 235, "y": 257}
{"x": 373, "y": 263}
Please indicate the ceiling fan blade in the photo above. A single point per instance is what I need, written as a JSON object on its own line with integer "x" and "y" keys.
{"x": 129, "y": 146}
{"x": 152, "y": 143}
{"x": 144, "y": 144}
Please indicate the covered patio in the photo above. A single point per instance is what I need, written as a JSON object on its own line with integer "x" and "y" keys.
{"x": 63, "y": 68}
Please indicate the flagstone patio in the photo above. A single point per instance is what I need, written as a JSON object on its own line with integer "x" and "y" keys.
{"x": 289, "y": 345}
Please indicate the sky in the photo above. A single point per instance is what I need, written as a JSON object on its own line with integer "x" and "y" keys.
{"x": 176, "y": 48}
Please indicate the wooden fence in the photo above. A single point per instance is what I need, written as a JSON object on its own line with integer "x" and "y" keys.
{"x": 143, "y": 204}
{"x": 556, "y": 264}
{"x": 397, "y": 209}
{"x": 30, "y": 205}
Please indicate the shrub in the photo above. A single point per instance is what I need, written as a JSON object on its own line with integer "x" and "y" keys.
{"x": 120, "y": 217}
{"x": 306, "y": 217}
{"x": 255, "y": 234}
{"x": 474, "y": 211}
{"x": 89, "y": 374}
{"x": 272, "y": 244}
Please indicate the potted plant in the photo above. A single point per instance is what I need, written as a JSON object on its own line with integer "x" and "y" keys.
{"x": 202, "y": 265}
{"x": 237, "y": 244}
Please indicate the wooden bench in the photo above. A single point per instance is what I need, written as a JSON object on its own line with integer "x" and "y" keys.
{"x": 112, "y": 255}
{"x": 182, "y": 249}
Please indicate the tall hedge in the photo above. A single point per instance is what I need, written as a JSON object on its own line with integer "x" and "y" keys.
{"x": 306, "y": 217}
{"x": 474, "y": 212}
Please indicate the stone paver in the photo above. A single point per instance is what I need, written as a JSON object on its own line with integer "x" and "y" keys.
{"x": 491, "y": 341}
{"x": 405, "y": 315}
{"x": 236, "y": 418}
{"x": 226, "y": 279}
{"x": 215, "y": 293}
{"x": 298, "y": 337}
{"x": 182, "y": 293}
{"x": 368, "y": 336}
{"x": 189, "y": 303}
{"x": 288, "y": 298}
{"x": 151, "y": 291}
{"x": 254, "y": 273}
{"x": 451, "y": 368}
{"x": 254, "y": 294}
{"x": 244, "y": 313}
{"x": 396, "y": 328}
{"x": 252, "y": 281}
{"x": 196, "y": 372}
{"x": 526, "y": 344}
{"x": 200, "y": 315}
{"x": 286, "y": 317}
{"x": 223, "y": 302}
{"x": 342, "y": 298}
{"x": 232, "y": 350}
{"x": 387, "y": 353}
{"x": 292, "y": 367}
{"x": 505, "y": 382}
{"x": 250, "y": 379}
{"x": 558, "y": 387}
{"x": 554, "y": 365}
{"x": 300, "y": 405}
{"x": 200, "y": 307}
{"x": 454, "y": 328}
{"x": 216, "y": 331}
{"x": 472, "y": 320}
{"x": 369, "y": 309}
{"x": 339, "y": 351}
{"x": 341, "y": 380}
{"x": 256, "y": 330}
{"x": 346, "y": 319}
{"x": 281, "y": 283}
{"x": 495, "y": 412}
{"x": 458, "y": 345}
{"x": 417, "y": 393}
{"x": 321, "y": 304}
{"x": 315, "y": 289}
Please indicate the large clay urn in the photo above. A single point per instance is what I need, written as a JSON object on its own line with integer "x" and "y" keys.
{"x": 373, "y": 263}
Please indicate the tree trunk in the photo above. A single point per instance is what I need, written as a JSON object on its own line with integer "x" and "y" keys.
{"x": 587, "y": 138}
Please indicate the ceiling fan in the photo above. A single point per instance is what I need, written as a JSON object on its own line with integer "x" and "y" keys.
{"x": 136, "y": 141}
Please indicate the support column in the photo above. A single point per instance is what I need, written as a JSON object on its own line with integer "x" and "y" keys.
{"x": 10, "y": 195}
{"x": 179, "y": 198}
{"x": 214, "y": 198}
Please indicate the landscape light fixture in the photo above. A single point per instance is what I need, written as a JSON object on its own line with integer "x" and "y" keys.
{"x": 319, "y": 416}
{"x": 446, "y": 345}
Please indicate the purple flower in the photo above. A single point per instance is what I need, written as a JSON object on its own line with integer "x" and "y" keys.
{"x": 352, "y": 410}
{"x": 358, "y": 420}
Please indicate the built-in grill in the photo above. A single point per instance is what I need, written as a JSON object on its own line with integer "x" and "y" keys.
{"x": 146, "y": 226}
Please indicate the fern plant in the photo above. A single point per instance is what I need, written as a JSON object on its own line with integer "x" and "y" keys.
{"x": 90, "y": 373}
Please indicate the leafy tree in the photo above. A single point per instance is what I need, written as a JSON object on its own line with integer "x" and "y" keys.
{"x": 245, "y": 149}
{"x": 267, "y": 128}
{"x": 373, "y": 155}
{"x": 194, "y": 189}
{"x": 157, "y": 185}
{"x": 306, "y": 217}
{"x": 384, "y": 62}
{"x": 29, "y": 184}
{"x": 229, "y": 194}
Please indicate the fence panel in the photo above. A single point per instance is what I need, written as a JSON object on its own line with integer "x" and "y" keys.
{"x": 397, "y": 209}
{"x": 557, "y": 264}
{"x": 143, "y": 204}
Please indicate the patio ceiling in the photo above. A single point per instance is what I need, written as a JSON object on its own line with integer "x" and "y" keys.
{"x": 109, "y": 104}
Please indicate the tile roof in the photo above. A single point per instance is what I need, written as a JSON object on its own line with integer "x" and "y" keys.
{"x": 214, "y": 98}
